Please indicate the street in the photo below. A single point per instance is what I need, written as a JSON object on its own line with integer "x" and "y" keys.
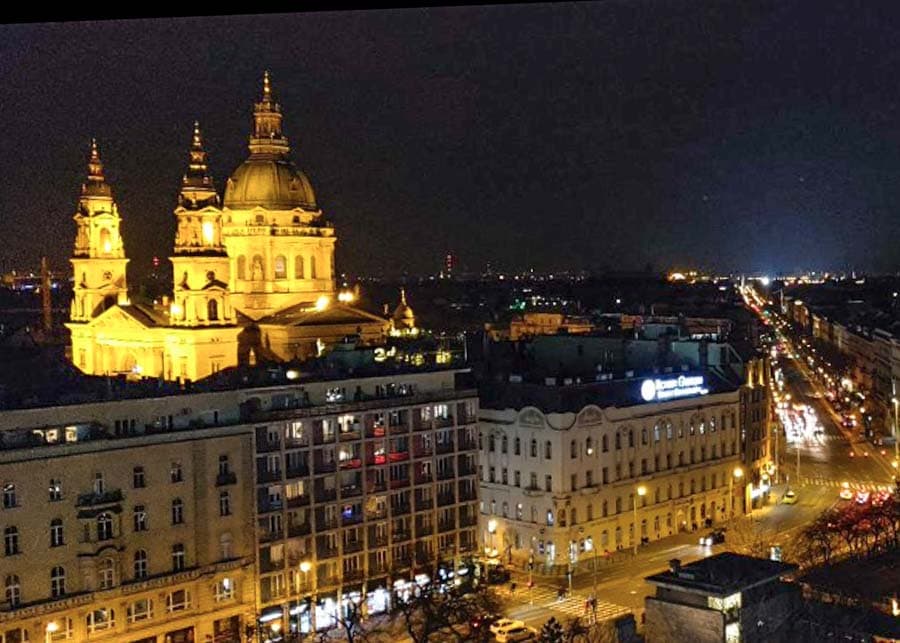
{"x": 825, "y": 463}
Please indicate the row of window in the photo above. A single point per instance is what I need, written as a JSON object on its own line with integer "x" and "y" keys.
{"x": 106, "y": 578}
{"x": 280, "y": 267}
{"x": 105, "y": 526}
{"x": 561, "y": 517}
{"x": 138, "y": 481}
{"x": 589, "y": 474}
{"x": 589, "y": 446}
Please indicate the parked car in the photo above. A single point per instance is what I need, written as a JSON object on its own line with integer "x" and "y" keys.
{"x": 846, "y": 492}
{"x": 501, "y": 625}
{"x": 515, "y": 634}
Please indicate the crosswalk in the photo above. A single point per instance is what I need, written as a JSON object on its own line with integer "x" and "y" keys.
{"x": 866, "y": 485}
{"x": 573, "y": 605}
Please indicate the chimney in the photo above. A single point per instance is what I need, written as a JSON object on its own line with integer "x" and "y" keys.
{"x": 675, "y": 566}
{"x": 45, "y": 295}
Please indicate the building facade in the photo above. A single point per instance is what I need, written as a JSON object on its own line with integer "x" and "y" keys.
{"x": 248, "y": 512}
{"x": 368, "y": 487}
{"x": 564, "y": 483}
{"x": 253, "y": 271}
{"x": 143, "y": 536}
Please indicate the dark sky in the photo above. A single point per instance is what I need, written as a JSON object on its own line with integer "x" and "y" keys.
{"x": 731, "y": 135}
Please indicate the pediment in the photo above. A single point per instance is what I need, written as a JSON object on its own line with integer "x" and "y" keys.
{"x": 531, "y": 417}
{"x": 115, "y": 318}
{"x": 590, "y": 415}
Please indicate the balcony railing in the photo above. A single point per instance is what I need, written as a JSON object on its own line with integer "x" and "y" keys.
{"x": 424, "y": 530}
{"x": 446, "y": 499}
{"x": 446, "y": 525}
{"x": 375, "y": 487}
{"x": 325, "y": 551}
{"x": 325, "y": 495}
{"x": 298, "y": 501}
{"x": 399, "y": 510}
{"x": 398, "y": 429}
{"x": 267, "y": 446}
{"x": 398, "y": 536}
{"x": 324, "y": 524}
{"x": 423, "y": 452}
{"x": 299, "y": 529}
{"x": 377, "y": 541}
{"x": 398, "y": 484}
{"x": 347, "y": 436}
{"x": 352, "y": 575}
{"x": 402, "y": 562}
{"x": 352, "y": 463}
{"x": 465, "y": 495}
{"x": 268, "y": 535}
{"x": 268, "y": 476}
{"x": 325, "y": 467}
{"x": 351, "y": 491}
{"x": 93, "y": 499}
{"x": 352, "y": 519}
{"x": 353, "y": 546}
{"x": 424, "y": 503}
{"x": 398, "y": 456}
{"x": 268, "y": 506}
{"x": 299, "y": 471}
{"x": 444, "y": 447}
{"x": 424, "y": 478}
{"x": 445, "y": 474}
{"x": 468, "y": 521}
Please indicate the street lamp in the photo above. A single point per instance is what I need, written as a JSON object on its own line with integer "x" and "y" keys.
{"x": 492, "y": 529}
{"x": 737, "y": 474}
{"x": 52, "y": 627}
{"x": 305, "y": 567}
{"x": 896, "y": 434}
{"x": 641, "y": 492}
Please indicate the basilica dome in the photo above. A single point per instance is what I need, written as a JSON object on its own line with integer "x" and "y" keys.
{"x": 271, "y": 182}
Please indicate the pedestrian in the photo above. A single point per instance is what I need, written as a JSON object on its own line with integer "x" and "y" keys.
{"x": 512, "y": 588}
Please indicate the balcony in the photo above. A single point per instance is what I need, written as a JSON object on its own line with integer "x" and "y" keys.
{"x": 352, "y": 463}
{"x": 377, "y": 541}
{"x": 349, "y": 436}
{"x": 468, "y": 521}
{"x": 352, "y": 519}
{"x": 400, "y": 510}
{"x": 398, "y": 456}
{"x": 402, "y": 562}
{"x": 270, "y": 565}
{"x": 299, "y": 471}
{"x": 268, "y": 506}
{"x": 353, "y": 546}
{"x": 351, "y": 575}
{"x": 325, "y": 467}
{"x": 326, "y": 523}
{"x": 377, "y": 567}
{"x": 299, "y": 529}
{"x": 325, "y": 495}
{"x": 466, "y": 444}
{"x": 399, "y": 484}
{"x": 296, "y": 443}
{"x": 467, "y": 495}
{"x": 96, "y": 499}
{"x": 446, "y": 499}
{"x": 423, "y": 452}
{"x": 467, "y": 470}
{"x": 351, "y": 491}
{"x": 377, "y": 514}
{"x": 298, "y": 501}
{"x": 227, "y": 478}
{"x": 375, "y": 487}
{"x": 326, "y": 552}
{"x": 400, "y": 536}
{"x": 446, "y": 474}
{"x": 267, "y": 446}
{"x": 424, "y": 530}
{"x": 444, "y": 447}
{"x": 398, "y": 429}
{"x": 268, "y": 476}
{"x": 268, "y": 535}
{"x": 533, "y": 490}
{"x": 446, "y": 525}
{"x": 424, "y": 503}
{"x": 424, "y": 478}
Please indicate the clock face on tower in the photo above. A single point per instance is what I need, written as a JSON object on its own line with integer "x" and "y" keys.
{"x": 107, "y": 275}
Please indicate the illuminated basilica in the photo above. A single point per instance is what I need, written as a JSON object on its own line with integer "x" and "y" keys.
{"x": 253, "y": 272}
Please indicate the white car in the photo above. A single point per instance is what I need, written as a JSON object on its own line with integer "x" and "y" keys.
{"x": 519, "y": 633}
{"x": 502, "y": 625}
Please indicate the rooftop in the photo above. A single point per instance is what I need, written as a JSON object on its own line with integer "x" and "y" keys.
{"x": 721, "y": 575}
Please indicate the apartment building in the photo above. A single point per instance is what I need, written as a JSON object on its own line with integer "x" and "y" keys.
{"x": 144, "y": 536}
{"x": 242, "y": 512}
{"x": 362, "y": 487}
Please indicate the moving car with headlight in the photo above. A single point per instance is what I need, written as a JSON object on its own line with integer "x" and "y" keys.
{"x": 789, "y": 498}
{"x": 713, "y": 538}
{"x": 504, "y": 624}
{"x": 520, "y": 633}
{"x": 846, "y": 493}
{"x": 862, "y": 497}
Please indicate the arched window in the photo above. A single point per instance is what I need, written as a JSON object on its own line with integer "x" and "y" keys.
{"x": 548, "y": 449}
{"x": 57, "y": 582}
{"x": 107, "y": 573}
{"x": 298, "y": 267}
{"x": 534, "y": 448}
{"x": 242, "y": 267}
{"x": 604, "y": 442}
{"x": 56, "y": 532}
{"x": 140, "y": 564}
{"x": 312, "y": 267}
{"x": 280, "y": 267}
{"x": 518, "y": 446}
{"x": 212, "y": 310}
{"x": 504, "y": 444}
{"x": 13, "y": 590}
{"x": 104, "y": 526}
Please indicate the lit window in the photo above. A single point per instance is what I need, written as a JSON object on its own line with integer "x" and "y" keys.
{"x": 141, "y": 610}
{"x": 224, "y": 590}
{"x": 13, "y": 590}
{"x": 99, "y": 620}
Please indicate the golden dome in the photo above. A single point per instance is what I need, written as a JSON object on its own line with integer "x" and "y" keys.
{"x": 271, "y": 182}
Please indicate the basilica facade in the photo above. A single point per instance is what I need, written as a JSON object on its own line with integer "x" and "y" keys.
{"x": 253, "y": 272}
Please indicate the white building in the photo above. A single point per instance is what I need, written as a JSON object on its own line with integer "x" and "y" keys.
{"x": 561, "y": 465}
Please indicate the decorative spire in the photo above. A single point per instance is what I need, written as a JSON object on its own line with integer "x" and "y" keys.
{"x": 267, "y": 137}
{"x": 96, "y": 181}
{"x": 197, "y": 189}
{"x": 403, "y": 297}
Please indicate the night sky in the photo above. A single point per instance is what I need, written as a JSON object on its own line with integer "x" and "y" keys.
{"x": 727, "y": 135}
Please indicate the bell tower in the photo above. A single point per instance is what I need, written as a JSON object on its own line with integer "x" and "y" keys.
{"x": 99, "y": 258}
{"x": 200, "y": 263}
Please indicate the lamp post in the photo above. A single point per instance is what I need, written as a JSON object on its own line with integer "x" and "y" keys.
{"x": 737, "y": 474}
{"x": 305, "y": 567}
{"x": 641, "y": 492}
{"x": 492, "y": 529}
{"x": 896, "y": 434}
{"x": 52, "y": 627}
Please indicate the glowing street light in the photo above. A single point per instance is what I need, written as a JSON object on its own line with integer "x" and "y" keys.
{"x": 51, "y": 628}
{"x": 641, "y": 492}
{"x": 492, "y": 529}
{"x": 737, "y": 474}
